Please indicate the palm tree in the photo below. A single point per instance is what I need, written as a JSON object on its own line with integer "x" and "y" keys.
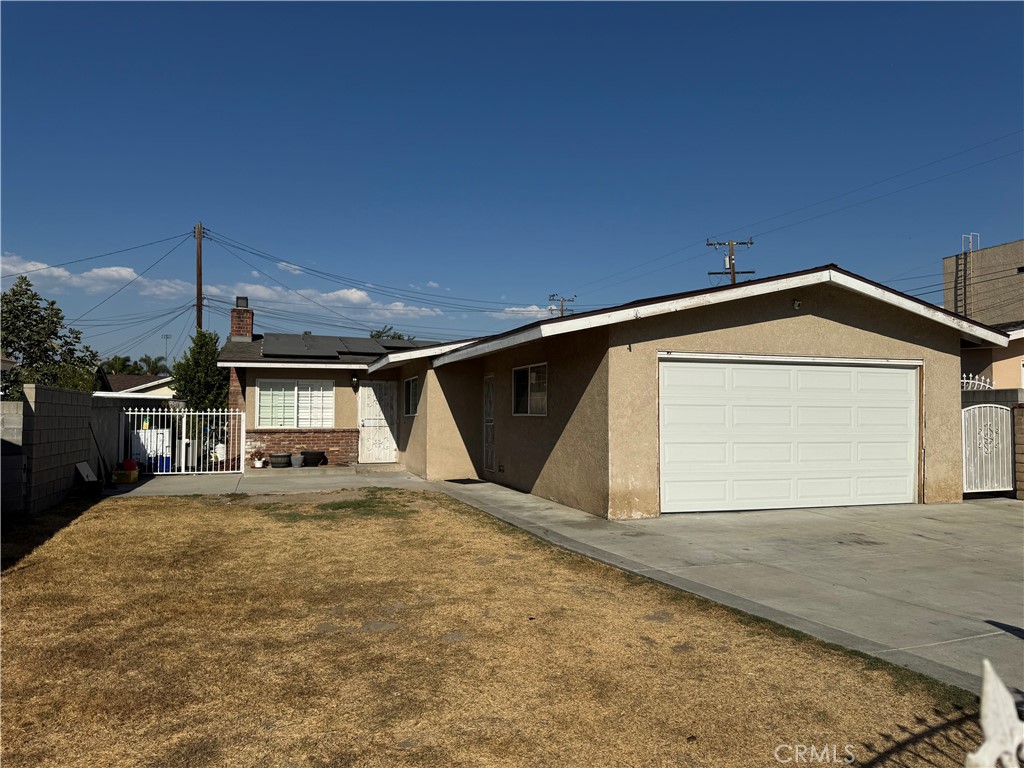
{"x": 120, "y": 364}
{"x": 154, "y": 366}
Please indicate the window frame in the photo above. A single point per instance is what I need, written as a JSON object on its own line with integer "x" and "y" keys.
{"x": 529, "y": 390}
{"x": 405, "y": 396}
{"x": 328, "y": 389}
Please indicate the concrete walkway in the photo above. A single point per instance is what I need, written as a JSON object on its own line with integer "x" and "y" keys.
{"x": 933, "y": 588}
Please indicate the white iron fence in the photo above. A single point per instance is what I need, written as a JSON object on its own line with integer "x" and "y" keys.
{"x": 970, "y": 382}
{"x": 988, "y": 448}
{"x": 165, "y": 442}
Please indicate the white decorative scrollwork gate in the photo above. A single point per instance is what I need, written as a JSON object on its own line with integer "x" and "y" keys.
{"x": 988, "y": 448}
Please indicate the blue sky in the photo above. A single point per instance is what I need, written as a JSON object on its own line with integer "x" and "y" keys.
{"x": 475, "y": 158}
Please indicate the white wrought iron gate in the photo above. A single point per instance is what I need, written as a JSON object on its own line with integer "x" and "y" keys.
{"x": 378, "y": 411}
{"x": 988, "y": 448}
{"x": 166, "y": 441}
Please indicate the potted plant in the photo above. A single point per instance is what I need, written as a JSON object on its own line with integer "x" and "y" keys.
{"x": 257, "y": 458}
{"x": 280, "y": 460}
{"x": 297, "y": 455}
{"x": 314, "y": 458}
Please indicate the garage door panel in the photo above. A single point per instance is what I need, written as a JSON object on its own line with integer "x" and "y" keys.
{"x": 761, "y": 453}
{"x": 825, "y": 381}
{"x": 813, "y": 435}
{"x": 762, "y": 381}
{"x": 818, "y": 453}
{"x": 892, "y": 381}
{"x": 880, "y": 418}
{"x": 824, "y": 416}
{"x": 680, "y": 455}
{"x": 695, "y": 415}
{"x": 820, "y": 491}
{"x": 762, "y": 415}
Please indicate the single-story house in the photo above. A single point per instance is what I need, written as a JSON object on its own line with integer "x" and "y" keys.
{"x": 815, "y": 388}
{"x": 161, "y": 385}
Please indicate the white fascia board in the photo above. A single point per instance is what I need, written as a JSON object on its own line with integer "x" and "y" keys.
{"x": 397, "y": 358}
{"x": 742, "y": 291}
{"x": 303, "y": 366}
{"x": 133, "y": 395}
{"x": 1017, "y": 335}
{"x": 157, "y": 383}
{"x": 815, "y": 360}
{"x": 966, "y": 328}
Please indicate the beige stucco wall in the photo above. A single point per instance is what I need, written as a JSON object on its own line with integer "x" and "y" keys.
{"x": 562, "y": 456}
{"x": 830, "y": 323}
{"x": 1006, "y": 365}
{"x": 412, "y": 430}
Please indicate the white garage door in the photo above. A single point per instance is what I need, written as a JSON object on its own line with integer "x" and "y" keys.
{"x": 760, "y": 435}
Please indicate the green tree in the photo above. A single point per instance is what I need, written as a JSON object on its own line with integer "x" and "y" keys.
{"x": 120, "y": 364}
{"x": 154, "y": 366}
{"x": 197, "y": 379}
{"x": 45, "y": 349}
{"x": 389, "y": 332}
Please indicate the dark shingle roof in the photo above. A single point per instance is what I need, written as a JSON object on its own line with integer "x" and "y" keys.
{"x": 311, "y": 348}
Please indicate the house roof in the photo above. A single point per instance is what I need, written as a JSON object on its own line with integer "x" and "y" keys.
{"x": 829, "y": 273}
{"x": 132, "y": 382}
{"x": 307, "y": 350}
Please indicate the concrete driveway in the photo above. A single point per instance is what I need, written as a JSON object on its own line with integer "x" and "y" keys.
{"x": 934, "y": 588}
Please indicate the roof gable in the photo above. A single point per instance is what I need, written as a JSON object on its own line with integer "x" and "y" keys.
{"x": 637, "y": 310}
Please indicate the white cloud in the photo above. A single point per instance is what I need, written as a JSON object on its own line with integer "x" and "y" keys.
{"x": 432, "y": 284}
{"x": 94, "y": 281}
{"x": 532, "y": 312}
{"x": 291, "y": 268}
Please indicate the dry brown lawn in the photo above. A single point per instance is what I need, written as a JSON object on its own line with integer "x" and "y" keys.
{"x": 392, "y": 628}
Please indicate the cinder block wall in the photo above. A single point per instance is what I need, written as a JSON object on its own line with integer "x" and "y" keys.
{"x": 55, "y": 437}
{"x": 12, "y": 459}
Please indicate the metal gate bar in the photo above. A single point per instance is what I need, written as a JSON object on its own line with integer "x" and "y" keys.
{"x": 988, "y": 448}
{"x": 166, "y": 441}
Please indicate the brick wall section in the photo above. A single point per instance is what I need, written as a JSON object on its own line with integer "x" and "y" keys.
{"x": 341, "y": 445}
{"x": 241, "y": 322}
{"x": 1018, "y": 450}
{"x": 236, "y": 389}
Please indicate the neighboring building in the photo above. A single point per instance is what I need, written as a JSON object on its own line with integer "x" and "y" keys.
{"x": 817, "y": 388}
{"x": 987, "y": 285}
{"x": 136, "y": 383}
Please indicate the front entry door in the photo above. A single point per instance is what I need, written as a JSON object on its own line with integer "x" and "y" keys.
{"x": 378, "y": 410}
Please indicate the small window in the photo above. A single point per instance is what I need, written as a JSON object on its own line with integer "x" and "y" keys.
{"x": 412, "y": 396}
{"x": 530, "y": 390}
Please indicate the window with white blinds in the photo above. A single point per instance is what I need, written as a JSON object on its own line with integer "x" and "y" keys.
{"x": 301, "y": 403}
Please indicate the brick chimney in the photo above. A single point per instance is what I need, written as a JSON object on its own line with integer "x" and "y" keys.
{"x": 241, "y": 320}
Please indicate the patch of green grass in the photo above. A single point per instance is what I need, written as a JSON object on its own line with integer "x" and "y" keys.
{"x": 298, "y": 516}
{"x": 376, "y": 502}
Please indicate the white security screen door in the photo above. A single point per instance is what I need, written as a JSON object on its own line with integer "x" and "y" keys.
{"x": 760, "y": 435}
{"x": 378, "y": 409}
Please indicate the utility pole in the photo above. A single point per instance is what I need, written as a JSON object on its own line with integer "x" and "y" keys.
{"x": 199, "y": 276}
{"x": 561, "y": 304}
{"x": 730, "y": 261}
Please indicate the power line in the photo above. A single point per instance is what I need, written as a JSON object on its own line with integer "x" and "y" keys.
{"x": 133, "y": 279}
{"x": 812, "y": 205}
{"x": 91, "y": 258}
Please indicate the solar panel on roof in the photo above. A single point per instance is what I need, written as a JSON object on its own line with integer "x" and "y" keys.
{"x": 356, "y": 345}
{"x": 300, "y": 345}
